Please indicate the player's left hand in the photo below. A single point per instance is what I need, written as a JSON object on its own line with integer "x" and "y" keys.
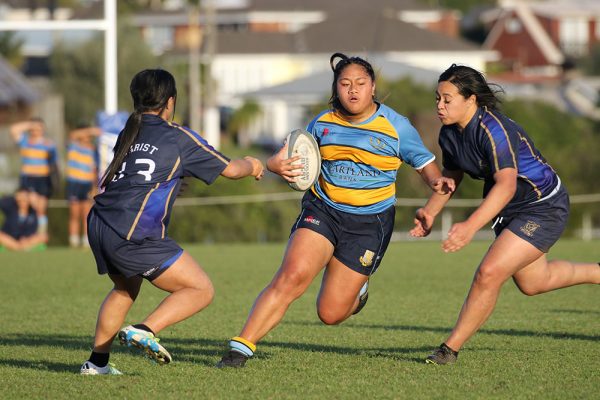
{"x": 423, "y": 223}
{"x": 443, "y": 185}
{"x": 459, "y": 235}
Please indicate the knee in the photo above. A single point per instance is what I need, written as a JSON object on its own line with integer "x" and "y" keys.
{"x": 290, "y": 284}
{"x": 488, "y": 276}
{"x": 208, "y": 293}
{"x": 329, "y": 317}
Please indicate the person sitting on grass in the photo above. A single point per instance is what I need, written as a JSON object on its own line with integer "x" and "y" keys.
{"x": 19, "y": 230}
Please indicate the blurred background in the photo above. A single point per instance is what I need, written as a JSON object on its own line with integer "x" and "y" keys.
{"x": 250, "y": 71}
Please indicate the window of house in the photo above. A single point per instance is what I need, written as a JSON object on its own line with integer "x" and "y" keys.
{"x": 574, "y": 36}
{"x": 513, "y": 25}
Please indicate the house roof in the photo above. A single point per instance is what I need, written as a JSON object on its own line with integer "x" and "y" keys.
{"x": 13, "y": 86}
{"x": 319, "y": 84}
{"x": 334, "y": 5}
{"x": 537, "y": 33}
{"x": 345, "y": 31}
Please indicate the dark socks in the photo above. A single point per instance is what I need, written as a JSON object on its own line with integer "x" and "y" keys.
{"x": 445, "y": 346}
{"x": 99, "y": 359}
{"x": 143, "y": 327}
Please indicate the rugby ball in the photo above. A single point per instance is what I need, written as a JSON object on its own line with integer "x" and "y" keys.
{"x": 303, "y": 144}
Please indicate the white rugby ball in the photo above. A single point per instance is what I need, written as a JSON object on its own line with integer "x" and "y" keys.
{"x": 303, "y": 144}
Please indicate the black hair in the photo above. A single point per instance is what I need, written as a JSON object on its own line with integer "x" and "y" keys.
{"x": 150, "y": 90}
{"x": 470, "y": 82}
{"x": 338, "y": 67}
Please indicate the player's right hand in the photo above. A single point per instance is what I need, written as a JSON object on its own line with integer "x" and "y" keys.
{"x": 258, "y": 170}
{"x": 283, "y": 166}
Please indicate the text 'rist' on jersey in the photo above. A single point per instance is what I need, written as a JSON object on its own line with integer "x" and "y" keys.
{"x": 137, "y": 202}
{"x": 490, "y": 142}
{"x": 360, "y": 161}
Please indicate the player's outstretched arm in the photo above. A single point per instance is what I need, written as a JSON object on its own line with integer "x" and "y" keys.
{"x": 425, "y": 216}
{"x": 243, "y": 167}
{"x": 279, "y": 164}
{"x": 17, "y": 129}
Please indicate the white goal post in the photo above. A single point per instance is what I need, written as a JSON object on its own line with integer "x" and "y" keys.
{"x": 108, "y": 25}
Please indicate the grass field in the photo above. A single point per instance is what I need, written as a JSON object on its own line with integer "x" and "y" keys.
{"x": 546, "y": 346}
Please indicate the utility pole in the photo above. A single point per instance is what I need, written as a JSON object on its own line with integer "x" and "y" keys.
{"x": 212, "y": 129}
{"x": 194, "y": 43}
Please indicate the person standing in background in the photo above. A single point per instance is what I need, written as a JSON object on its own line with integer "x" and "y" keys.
{"x": 81, "y": 172}
{"x": 38, "y": 164}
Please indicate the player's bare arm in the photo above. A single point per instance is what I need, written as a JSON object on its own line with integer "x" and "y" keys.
{"x": 505, "y": 186}
{"x": 425, "y": 216}
{"x": 17, "y": 129}
{"x": 435, "y": 180}
{"x": 243, "y": 167}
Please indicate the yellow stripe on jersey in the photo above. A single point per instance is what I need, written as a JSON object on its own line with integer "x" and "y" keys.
{"x": 162, "y": 220}
{"x": 489, "y": 134}
{"x": 199, "y": 143}
{"x": 81, "y": 158}
{"x": 139, "y": 214}
{"x": 35, "y": 170}
{"x": 29, "y": 152}
{"x": 507, "y": 139}
{"x": 357, "y": 197}
{"x": 75, "y": 173}
{"x": 379, "y": 125}
{"x": 341, "y": 153}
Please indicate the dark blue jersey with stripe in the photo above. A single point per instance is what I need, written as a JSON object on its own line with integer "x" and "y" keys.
{"x": 490, "y": 142}
{"x": 137, "y": 202}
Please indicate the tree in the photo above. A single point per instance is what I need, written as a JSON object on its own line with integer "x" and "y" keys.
{"x": 10, "y": 48}
{"x": 77, "y": 72}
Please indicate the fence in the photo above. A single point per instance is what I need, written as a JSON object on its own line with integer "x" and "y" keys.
{"x": 584, "y": 229}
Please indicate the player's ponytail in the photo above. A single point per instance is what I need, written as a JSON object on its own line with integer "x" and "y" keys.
{"x": 150, "y": 90}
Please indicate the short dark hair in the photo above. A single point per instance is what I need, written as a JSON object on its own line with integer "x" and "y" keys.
{"x": 338, "y": 67}
{"x": 470, "y": 82}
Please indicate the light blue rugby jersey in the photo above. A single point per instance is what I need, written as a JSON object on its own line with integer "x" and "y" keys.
{"x": 360, "y": 161}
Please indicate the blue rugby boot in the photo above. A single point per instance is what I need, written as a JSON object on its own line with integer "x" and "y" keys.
{"x": 146, "y": 342}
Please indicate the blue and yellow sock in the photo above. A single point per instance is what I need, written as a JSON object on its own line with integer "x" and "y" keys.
{"x": 243, "y": 346}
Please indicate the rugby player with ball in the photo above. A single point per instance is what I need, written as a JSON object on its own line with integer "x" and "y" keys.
{"x": 347, "y": 214}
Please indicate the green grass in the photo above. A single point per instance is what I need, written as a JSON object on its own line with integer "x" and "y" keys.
{"x": 546, "y": 346}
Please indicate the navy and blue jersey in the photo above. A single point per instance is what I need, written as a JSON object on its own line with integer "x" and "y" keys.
{"x": 137, "y": 202}
{"x": 17, "y": 225}
{"x": 360, "y": 161}
{"x": 491, "y": 142}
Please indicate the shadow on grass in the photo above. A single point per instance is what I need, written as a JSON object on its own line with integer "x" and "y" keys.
{"x": 39, "y": 365}
{"x": 446, "y": 330}
{"x": 572, "y": 311}
{"x": 198, "y": 351}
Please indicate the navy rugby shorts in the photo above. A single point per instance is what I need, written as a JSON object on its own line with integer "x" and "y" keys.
{"x": 41, "y": 185}
{"x": 359, "y": 241}
{"x": 118, "y": 256}
{"x": 78, "y": 191}
{"x": 540, "y": 224}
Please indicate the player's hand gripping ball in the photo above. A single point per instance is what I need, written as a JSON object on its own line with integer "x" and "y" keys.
{"x": 303, "y": 144}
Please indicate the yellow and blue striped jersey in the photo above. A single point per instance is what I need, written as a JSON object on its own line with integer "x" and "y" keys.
{"x": 81, "y": 163}
{"x": 36, "y": 156}
{"x": 360, "y": 161}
